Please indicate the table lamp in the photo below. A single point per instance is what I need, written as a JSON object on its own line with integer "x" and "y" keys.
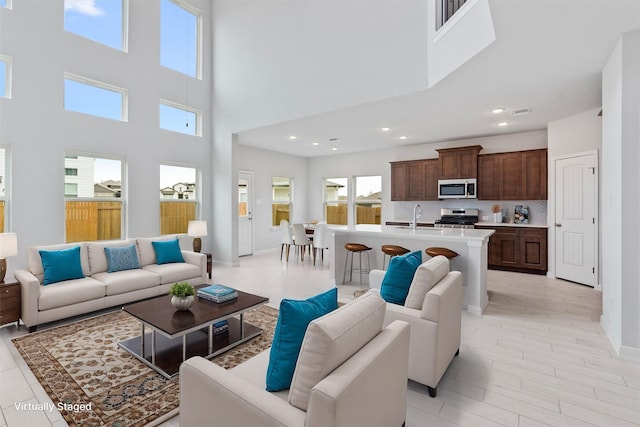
{"x": 8, "y": 247}
{"x": 197, "y": 229}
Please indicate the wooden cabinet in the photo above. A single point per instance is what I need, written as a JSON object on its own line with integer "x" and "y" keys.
{"x": 10, "y": 302}
{"x": 521, "y": 249}
{"x": 460, "y": 162}
{"x": 518, "y": 175}
{"x": 414, "y": 180}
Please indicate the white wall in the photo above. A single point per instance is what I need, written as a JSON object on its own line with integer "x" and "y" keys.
{"x": 575, "y": 134}
{"x": 620, "y": 201}
{"x": 264, "y": 165}
{"x": 38, "y": 129}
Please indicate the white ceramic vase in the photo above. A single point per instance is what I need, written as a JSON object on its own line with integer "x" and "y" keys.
{"x": 182, "y": 303}
{"x": 497, "y": 217}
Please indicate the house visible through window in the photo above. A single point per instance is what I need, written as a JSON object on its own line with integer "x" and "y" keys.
{"x": 179, "y": 118}
{"x": 336, "y": 200}
{"x": 368, "y": 200}
{"x": 93, "y": 198}
{"x": 281, "y": 199}
{"x": 71, "y": 171}
{"x": 5, "y": 76}
{"x": 178, "y": 198}
{"x": 3, "y": 188}
{"x": 98, "y": 20}
{"x": 92, "y": 97}
{"x": 180, "y": 37}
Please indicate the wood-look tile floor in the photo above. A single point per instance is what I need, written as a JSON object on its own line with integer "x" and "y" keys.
{"x": 537, "y": 356}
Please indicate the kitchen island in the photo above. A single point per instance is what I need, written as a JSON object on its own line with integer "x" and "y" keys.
{"x": 470, "y": 244}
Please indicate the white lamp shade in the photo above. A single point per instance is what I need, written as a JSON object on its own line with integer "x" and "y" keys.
{"x": 197, "y": 228}
{"x": 8, "y": 245}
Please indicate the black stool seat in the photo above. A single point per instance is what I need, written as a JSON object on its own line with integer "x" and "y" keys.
{"x": 435, "y": 251}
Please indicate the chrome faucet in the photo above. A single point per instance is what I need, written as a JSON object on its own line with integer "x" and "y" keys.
{"x": 417, "y": 213}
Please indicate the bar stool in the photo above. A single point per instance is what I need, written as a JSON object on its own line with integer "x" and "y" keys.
{"x": 435, "y": 251}
{"x": 351, "y": 249}
{"x": 392, "y": 250}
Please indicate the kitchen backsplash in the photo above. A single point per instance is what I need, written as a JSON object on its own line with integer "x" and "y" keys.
{"x": 403, "y": 211}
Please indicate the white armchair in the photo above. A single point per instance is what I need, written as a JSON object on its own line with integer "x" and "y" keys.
{"x": 434, "y": 311}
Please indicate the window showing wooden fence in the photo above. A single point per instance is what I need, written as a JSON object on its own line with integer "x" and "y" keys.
{"x": 175, "y": 216}
{"x": 337, "y": 214}
{"x": 279, "y": 211}
{"x": 242, "y": 209}
{"x": 93, "y": 220}
{"x": 367, "y": 214}
{"x": 1, "y": 216}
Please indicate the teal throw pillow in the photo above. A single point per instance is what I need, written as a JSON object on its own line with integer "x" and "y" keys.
{"x": 121, "y": 258}
{"x": 397, "y": 279}
{"x": 61, "y": 265}
{"x": 167, "y": 251}
{"x": 293, "y": 319}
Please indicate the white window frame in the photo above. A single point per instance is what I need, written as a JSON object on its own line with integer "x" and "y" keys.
{"x": 124, "y": 29}
{"x": 356, "y": 202}
{"x": 8, "y": 4}
{"x": 198, "y": 192}
{"x": 199, "y": 37}
{"x": 325, "y": 202}
{"x": 7, "y": 81}
{"x": 7, "y": 187}
{"x": 197, "y": 112}
{"x": 277, "y": 202}
{"x": 123, "y": 186}
{"x": 124, "y": 110}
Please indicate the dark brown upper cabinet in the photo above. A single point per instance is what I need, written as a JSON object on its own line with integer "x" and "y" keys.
{"x": 459, "y": 162}
{"x": 517, "y": 175}
{"x": 414, "y": 180}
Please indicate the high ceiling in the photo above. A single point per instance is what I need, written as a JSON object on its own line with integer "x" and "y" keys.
{"x": 548, "y": 56}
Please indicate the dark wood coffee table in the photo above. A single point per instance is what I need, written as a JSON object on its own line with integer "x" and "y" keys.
{"x": 177, "y": 335}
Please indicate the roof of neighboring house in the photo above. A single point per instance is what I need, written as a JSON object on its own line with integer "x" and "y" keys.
{"x": 373, "y": 196}
{"x": 100, "y": 188}
{"x": 111, "y": 183}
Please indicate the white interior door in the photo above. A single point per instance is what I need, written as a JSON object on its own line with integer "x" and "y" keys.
{"x": 245, "y": 224}
{"x": 575, "y": 218}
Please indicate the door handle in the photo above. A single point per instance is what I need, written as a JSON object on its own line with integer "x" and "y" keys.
{"x": 558, "y": 225}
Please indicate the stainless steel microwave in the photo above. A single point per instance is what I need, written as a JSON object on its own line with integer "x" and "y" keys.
{"x": 457, "y": 188}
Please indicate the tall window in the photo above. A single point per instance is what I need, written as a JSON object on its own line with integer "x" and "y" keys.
{"x": 368, "y": 200}
{"x": 180, "y": 37}
{"x": 336, "y": 200}
{"x": 179, "y": 118}
{"x": 5, "y": 76}
{"x": 93, "y": 198}
{"x": 92, "y": 97}
{"x": 281, "y": 199}
{"x": 3, "y": 187}
{"x": 103, "y": 21}
{"x": 5, "y": 3}
{"x": 178, "y": 198}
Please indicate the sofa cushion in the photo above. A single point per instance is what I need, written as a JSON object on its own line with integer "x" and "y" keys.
{"x": 427, "y": 275}
{"x": 124, "y": 281}
{"x": 70, "y": 292}
{"x": 35, "y": 261}
{"x": 124, "y": 258}
{"x": 293, "y": 318}
{"x": 61, "y": 265}
{"x": 167, "y": 251}
{"x": 254, "y": 371}
{"x": 331, "y": 340}
{"x": 174, "y": 272}
{"x": 98, "y": 258}
{"x": 146, "y": 253}
{"x": 397, "y": 279}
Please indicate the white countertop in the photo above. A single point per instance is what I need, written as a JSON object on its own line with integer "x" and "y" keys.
{"x": 509, "y": 224}
{"x": 453, "y": 234}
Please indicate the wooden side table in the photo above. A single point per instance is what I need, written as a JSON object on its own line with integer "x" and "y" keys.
{"x": 209, "y": 263}
{"x": 10, "y": 303}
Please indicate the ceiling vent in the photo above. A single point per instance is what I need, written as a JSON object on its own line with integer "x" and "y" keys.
{"x": 521, "y": 111}
{"x": 334, "y": 139}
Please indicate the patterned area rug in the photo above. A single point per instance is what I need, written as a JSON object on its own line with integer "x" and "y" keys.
{"x": 94, "y": 383}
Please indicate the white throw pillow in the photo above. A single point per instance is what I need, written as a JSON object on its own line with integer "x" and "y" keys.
{"x": 332, "y": 339}
{"x": 427, "y": 275}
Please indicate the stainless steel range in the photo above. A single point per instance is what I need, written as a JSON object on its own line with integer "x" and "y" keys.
{"x": 457, "y": 218}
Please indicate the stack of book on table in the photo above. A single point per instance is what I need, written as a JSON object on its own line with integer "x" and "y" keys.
{"x": 220, "y": 327}
{"x": 217, "y": 293}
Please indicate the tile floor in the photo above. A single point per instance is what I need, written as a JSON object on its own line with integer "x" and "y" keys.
{"x": 537, "y": 357}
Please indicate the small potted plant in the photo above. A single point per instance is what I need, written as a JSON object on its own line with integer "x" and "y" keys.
{"x": 182, "y": 296}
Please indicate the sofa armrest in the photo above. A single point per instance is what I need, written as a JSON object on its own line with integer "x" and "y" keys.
{"x": 207, "y": 390}
{"x": 30, "y": 288}
{"x": 445, "y": 297}
{"x": 199, "y": 260}
{"x": 375, "y": 278}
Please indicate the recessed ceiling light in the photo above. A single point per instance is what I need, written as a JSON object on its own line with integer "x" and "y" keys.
{"x": 503, "y": 123}
{"x": 404, "y": 137}
{"x": 334, "y": 149}
{"x": 315, "y": 143}
{"x": 386, "y": 129}
{"x": 497, "y": 110}
{"x": 292, "y": 137}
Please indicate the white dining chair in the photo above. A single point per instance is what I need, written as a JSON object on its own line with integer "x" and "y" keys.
{"x": 285, "y": 236}
{"x": 301, "y": 240}
{"x": 320, "y": 241}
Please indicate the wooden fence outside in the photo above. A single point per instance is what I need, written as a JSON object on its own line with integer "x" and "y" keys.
{"x": 242, "y": 208}
{"x": 1, "y": 216}
{"x": 279, "y": 212}
{"x": 364, "y": 214}
{"x": 93, "y": 220}
{"x": 175, "y": 216}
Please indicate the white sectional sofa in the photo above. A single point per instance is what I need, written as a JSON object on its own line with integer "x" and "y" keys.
{"x": 100, "y": 289}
